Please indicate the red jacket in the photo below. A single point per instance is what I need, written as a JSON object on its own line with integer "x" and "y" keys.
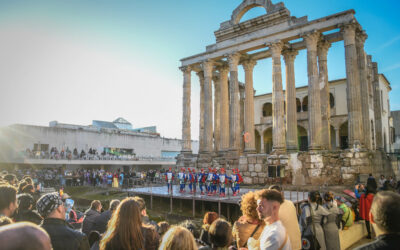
{"x": 365, "y": 205}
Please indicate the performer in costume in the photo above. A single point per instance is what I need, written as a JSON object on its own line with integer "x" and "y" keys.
{"x": 239, "y": 181}
{"x": 214, "y": 182}
{"x": 209, "y": 181}
{"x": 115, "y": 180}
{"x": 222, "y": 180}
{"x": 233, "y": 182}
{"x": 169, "y": 177}
{"x": 190, "y": 180}
{"x": 182, "y": 180}
{"x": 194, "y": 174}
{"x": 201, "y": 179}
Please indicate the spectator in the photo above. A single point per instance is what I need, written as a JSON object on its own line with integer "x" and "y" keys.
{"x": 126, "y": 230}
{"x": 331, "y": 230}
{"x": 163, "y": 227}
{"x": 220, "y": 235}
{"x": 11, "y": 179}
{"x": 189, "y": 225}
{"x": 90, "y": 217}
{"x": 145, "y": 218}
{"x": 8, "y": 200}
{"x": 20, "y": 236}
{"x": 347, "y": 215}
{"x": 94, "y": 240}
{"x": 288, "y": 217}
{"x": 385, "y": 220}
{"x": 274, "y": 235}
{"x": 208, "y": 219}
{"x": 100, "y": 222}
{"x": 62, "y": 235}
{"x": 178, "y": 238}
{"x": 25, "y": 210}
{"x": 4, "y": 220}
{"x": 248, "y": 225}
{"x": 366, "y": 202}
{"x": 311, "y": 220}
{"x": 382, "y": 181}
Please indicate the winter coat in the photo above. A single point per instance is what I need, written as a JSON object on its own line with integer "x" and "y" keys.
{"x": 101, "y": 222}
{"x": 63, "y": 236}
{"x": 88, "y": 221}
{"x": 28, "y": 215}
{"x": 365, "y": 205}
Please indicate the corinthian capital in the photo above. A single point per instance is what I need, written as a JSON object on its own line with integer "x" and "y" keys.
{"x": 323, "y": 47}
{"x": 276, "y": 48}
{"x": 361, "y": 36}
{"x": 289, "y": 55}
{"x": 233, "y": 61}
{"x": 311, "y": 39}
{"x": 185, "y": 69}
{"x": 207, "y": 67}
{"x": 248, "y": 65}
{"x": 349, "y": 32}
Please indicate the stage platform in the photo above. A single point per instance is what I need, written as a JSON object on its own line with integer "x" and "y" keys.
{"x": 162, "y": 191}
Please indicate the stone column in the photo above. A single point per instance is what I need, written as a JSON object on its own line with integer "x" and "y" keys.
{"x": 217, "y": 111}
{"x": 262, "y": 150}
{"x": 249, "y": 146}
{"x": 337, "y": 137}
{"x": 356, "y": 130}
{"x": 200, "y": 74}
{"x": 208, "y": 110}
{"x": 224, "y": 112}
{"x": 371, "y": 101}
{"x": 314, "y": 101}
{"x": 241, "y": 127}
{"x": 377, "y": 108}
{"x": 362, "y": 68}
{"x": 291, "y": 107}
{"x": 186, "y": 138}
{"x": 234, "y": 111}
{"x": 278, "y": 123}
{"x": 322, "y": 51}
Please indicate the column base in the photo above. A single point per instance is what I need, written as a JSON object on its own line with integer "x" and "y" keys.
{"x": 292, "y": 149}
{"x": 250, "y": 151}
{"x": 278, "y": 150}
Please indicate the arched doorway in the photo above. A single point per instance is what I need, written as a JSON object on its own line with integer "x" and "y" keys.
{"x": 305, "y": 104}
{"x": 268, "y": 143}
{"x": 302, "y": 138}
{"x": 267, "y": 109}
{"x": 298, "y": 105}
{"x": 257, "y": 141}
{"x": 344, "y": 135}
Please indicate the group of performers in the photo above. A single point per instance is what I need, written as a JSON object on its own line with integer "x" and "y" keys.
{"x": 207, "y": 181}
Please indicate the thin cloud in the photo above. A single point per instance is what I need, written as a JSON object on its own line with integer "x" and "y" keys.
{"x": 389, "y": 43}
{"x": 393, "y": 67}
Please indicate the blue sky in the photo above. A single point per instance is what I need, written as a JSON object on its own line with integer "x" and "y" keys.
{"x": 77, "y": 61}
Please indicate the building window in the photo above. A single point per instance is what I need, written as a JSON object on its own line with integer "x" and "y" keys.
{"x": 276, "y": 171}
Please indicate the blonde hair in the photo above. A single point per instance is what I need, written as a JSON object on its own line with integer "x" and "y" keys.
{"x": 249, "y": 205}
{"x": 178, "y": 238}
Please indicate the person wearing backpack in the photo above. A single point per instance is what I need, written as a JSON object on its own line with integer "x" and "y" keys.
{"x": 330, "y": 227}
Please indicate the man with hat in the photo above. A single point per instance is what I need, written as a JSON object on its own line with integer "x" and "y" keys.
{"x": 63, "y": 236}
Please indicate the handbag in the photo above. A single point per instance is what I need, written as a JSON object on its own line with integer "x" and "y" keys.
{"x": 310, "y": 242}
{"x": 254, "y": 231}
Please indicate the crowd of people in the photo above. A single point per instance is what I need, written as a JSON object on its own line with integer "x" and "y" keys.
{"x": 68, "y": 154}
{"x": 29, "y": 220}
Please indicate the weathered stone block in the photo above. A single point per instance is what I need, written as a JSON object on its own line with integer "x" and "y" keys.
{"x": 263, "y": 175}
{"x": 243, "y": 167}
{"x": 243, "y": 160}
{"x": 252, "y": 160}
{"x": 261, "y": 159}
{"x": 258, "y": 168}
{"x": 284, "y": 161}
{"x": 253, "y": 174}
{"x": 255, "y": 180}
{"x": 247, "y": 180}
{"x": 246, "y": 173}
{"x": 359, "y": 161}
{"x": 251, "y": 168}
